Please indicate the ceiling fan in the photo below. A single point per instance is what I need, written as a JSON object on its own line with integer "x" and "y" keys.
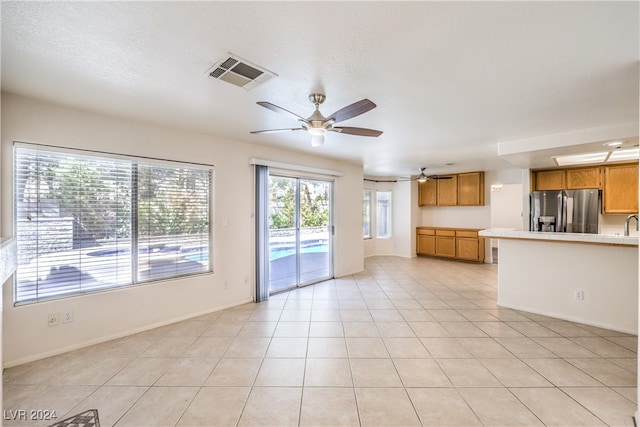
{"x": 317, "y": 124}
{"x": 422, "y": 177}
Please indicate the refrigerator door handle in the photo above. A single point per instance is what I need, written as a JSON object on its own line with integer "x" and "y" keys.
{"x": 563, "y": 222}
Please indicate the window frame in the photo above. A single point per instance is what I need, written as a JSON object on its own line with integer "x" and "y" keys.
{"x": 133, "y": 239}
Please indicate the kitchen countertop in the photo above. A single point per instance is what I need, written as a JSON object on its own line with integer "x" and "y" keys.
{"x": 596, "y": 239}
{"x": 447, "y": 228}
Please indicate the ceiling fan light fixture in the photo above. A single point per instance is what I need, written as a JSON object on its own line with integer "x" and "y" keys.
{"x": 422, "y": 177}
{"x": 317, "y": 140}
{"x": 317, "y": 131}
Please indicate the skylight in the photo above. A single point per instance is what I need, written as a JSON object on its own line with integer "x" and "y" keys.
{"x": 578, "y": 159}
{"x": 599, "y": 157}
{"x": 618, "y": 155}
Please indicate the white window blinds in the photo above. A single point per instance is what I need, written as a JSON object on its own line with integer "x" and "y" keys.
{"x": 86, "y": 222}
{"x": 383, "y": 214}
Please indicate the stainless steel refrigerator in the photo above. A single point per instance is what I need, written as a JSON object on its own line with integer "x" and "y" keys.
{"x": 565, "y": 211}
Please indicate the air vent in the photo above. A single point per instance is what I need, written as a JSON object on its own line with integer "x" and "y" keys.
{"x": 239, "y": 72}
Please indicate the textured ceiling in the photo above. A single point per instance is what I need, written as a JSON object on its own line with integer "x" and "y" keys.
{"x": 451, "y": 79}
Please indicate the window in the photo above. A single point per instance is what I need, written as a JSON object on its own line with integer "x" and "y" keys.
{"x": 86, "y": 222}
{"x": 383, "y": 214}
{"x": 366, "y": 214}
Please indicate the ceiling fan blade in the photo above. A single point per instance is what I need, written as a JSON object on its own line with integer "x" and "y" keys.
{"x": 357, "y": 131}
{"x": 353, "y": 110}
{"x": 275, "y": 130}
{"x": 280, "y": 110}
{"x": 439, "y": 177}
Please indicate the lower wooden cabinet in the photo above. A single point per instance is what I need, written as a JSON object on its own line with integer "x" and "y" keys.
{"x": 426, "y": 244}
{"x": 461, "y": 244}
{"x": 469, "y": 246}
{"x": 446, "y": 243}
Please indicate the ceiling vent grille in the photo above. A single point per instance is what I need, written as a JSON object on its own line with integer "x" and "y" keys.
{"x": 239, "y": 72}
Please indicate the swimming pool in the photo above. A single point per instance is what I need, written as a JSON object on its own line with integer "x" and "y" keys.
{"x": 283, "y": 251}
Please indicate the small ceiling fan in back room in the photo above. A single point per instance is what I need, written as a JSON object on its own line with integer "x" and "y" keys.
{"x": 422, "y": 177}
{"x": 317, "y": 124}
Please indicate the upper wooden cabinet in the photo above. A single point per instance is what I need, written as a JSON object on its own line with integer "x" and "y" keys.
{"x": 620, "y": 190}
{"x": 471, "y": 189}
{"x": 448, "y": 191}
{"x": 618, "y": 182}
{"x": 427, "y": 193}
{"x": 464, "y": 189}
{"x": 568, "y": 179}
{"x": 584, "y": 178}
{"x": 550, "y": 180}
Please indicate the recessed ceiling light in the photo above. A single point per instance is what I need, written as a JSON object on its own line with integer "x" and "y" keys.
{"x": 613, "y": 144}
{"x": 619, "y": 155}
{"x": 575, "y": 159}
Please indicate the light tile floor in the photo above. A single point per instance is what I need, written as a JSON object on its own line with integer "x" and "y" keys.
{"x": 407, "y": 342}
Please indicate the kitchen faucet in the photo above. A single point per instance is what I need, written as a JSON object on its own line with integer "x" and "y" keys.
{"x": 626, "y": 223}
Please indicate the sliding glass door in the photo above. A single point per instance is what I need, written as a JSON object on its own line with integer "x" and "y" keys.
{"x": 300, "y": 232}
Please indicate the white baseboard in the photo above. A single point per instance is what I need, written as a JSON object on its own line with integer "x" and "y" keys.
{"x": 77, "y": 346}
{"x": 568, "y": 318}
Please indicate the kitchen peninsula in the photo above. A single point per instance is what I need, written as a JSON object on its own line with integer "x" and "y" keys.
{"x": 585, "y": 278}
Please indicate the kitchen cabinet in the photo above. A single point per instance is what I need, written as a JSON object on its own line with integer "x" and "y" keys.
{"x": 453, "y": 243}
{"x": 447, "y": 191}
{"x": 618, "y": 182}
{"x": 426, "y": 242}
{"x": 550, "y": 180}
{"x": 427, "y": 193}
{"x": 469, "y": 246}
{"x": 620, "y": 189}
{"x": 580, "y": 178}
{"x": 471, "y": 189}
{"x": 446, "y": 243}
{"x": 568, "y": 178}
{"x": 463, "y": 189}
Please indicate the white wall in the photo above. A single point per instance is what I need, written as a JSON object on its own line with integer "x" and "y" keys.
{"x": 376, "y": 246}
{"x": 506, "y": 206}
{"x": 541, "y": 277}
{"x": 404, "y": 224}
{"x": 614, "y": 224}
{"x": 110, "y": 314}
{"x": 404, "y": 217}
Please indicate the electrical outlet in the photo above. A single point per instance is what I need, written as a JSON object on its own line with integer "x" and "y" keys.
{"x": 225, "y": 284}
{"x": 67, "y": 316}
{"x": 578, "y": 294}
{"x": 53, "y": 319}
